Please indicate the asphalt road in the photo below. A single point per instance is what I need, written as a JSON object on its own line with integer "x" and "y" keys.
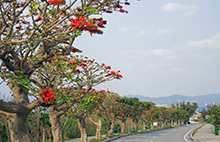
{"x": 178, "y": 134}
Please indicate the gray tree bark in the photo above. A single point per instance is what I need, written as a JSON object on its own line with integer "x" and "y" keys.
{"x": 82, "y": 127}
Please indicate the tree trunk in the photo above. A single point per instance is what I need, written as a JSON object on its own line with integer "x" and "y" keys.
{"x": 182, "y": 122}
{"x": 99, "y": 129}
{"x": 19, "y": 129}
{"x": 65, "y": 136}
{"x": 56, "y": 127}
{"x": 162, "y": 126}
{"x": 110, "y": 132}
{"x": 152, "y": 124}
{"x": 135, "y": 124}
{"x": 123, "y": 125}
{"x": 144, "y": 125}
{"x": 43, "y": 134}
{"x": 49, "y": 135}
{"x": 82, "y": 127}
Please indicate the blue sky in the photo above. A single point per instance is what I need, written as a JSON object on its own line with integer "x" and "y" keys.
{"x": 161, "y": 47}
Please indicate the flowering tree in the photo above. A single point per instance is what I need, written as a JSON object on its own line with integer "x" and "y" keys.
{"x": 79, "y": 75}
{"x": 110, "y": 109}
{"x": 86, "y": 106}
{"x": 138, "y": 107}
{"x": 125, "y": 111}
{"x": 163, "y": 115}
{"x": 31, "y": 33}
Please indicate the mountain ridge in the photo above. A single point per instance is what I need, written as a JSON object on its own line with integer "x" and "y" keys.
{"x": 202, "y": 100}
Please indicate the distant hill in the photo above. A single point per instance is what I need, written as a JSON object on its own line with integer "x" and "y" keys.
{"x": 202, "y": 100}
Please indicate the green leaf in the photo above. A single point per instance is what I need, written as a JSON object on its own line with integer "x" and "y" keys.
{"x": 12, "y": 76}
{"x": 35, "y": 5}
{"x": 68, "y": 78}
{"x": 25, "y": 89}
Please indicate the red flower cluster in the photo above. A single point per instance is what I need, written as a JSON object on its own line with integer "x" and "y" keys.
{"x": 75, "y": 70}
{"x": 115, "y": 74}
{"x": 82, "y": 64}
{"x": 72, "y": 63}
{"x": 57, "y": 2}
{"x": 84, "y": 25}
{"x": 48, "y": 96}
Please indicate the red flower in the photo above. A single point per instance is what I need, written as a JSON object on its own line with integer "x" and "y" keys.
{"x": 18, "y": 27}
{"x": 108, "y": 67}
{"x": 82, "y": 64}
{"x": 118, "y": 75}
{"x": 100, "y": 24}
{"x": 108, "y": 11}
{"x": 72, "y": 63}
{"x": 112, "y": 72}
{"x": 57, "y": 2}
{"x": 78, "y": 23}
{"x": 73, "y": 70}
{"x": 38, "y": 19}
{"x": 122, "y": 10}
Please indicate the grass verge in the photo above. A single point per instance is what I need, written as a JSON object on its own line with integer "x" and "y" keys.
{"x": 196, "y": 130}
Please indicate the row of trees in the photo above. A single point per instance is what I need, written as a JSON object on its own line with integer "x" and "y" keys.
{"x": 36, "y": 58}
{"x": 98, "y": 106}
{"x": 39, "y": 65}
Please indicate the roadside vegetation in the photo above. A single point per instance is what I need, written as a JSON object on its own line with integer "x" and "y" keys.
{"x": 210, "y": 115}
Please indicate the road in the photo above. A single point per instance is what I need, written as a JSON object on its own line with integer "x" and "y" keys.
{"x": 178, "y": 134}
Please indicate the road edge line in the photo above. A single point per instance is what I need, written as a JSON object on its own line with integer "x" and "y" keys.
{"x": 187, "y": 134}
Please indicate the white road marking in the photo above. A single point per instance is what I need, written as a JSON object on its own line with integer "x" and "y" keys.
{"x": 153, "y": 138}
{"x": 187, "y": 134}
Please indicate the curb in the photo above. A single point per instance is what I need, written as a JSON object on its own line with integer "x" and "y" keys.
{"x": 192, "y": 134}
{"x": 115, "y": 138}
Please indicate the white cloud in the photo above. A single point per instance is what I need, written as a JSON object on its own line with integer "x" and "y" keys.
{"x": 123, "y": 29}
{"x": 126, "y": 29}
{"x": 177, "y": 70}
{"x": 213, "y": 42}
{"x": 174, "y": 7}
{"x": 160, "y": 52}
{"x": 164, "y": 32}
{"x": 178, "y": 7}
{"x": 189, "y": 10}
{"x": 140, "y": 53}
{"x": 142, "y": 32}
{"x": 189, "y": 14}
